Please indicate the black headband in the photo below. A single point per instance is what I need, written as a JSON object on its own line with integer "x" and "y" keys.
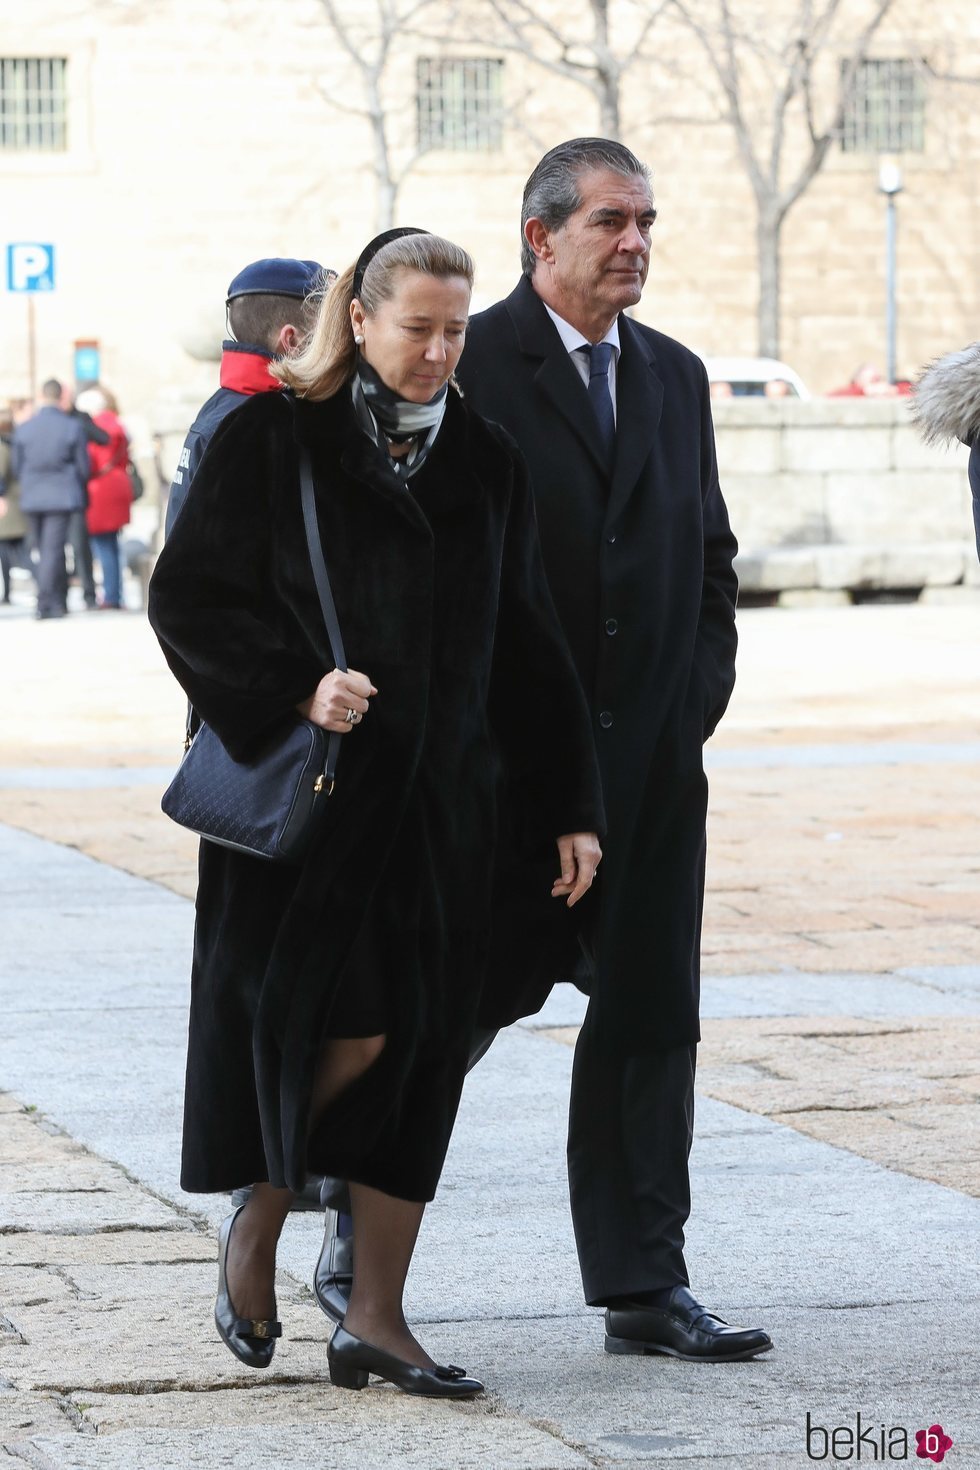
{"x": 378, "y": 243}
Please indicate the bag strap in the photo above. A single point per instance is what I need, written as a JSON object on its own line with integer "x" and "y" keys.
{"x": 324, "y": 591}
{"x": 327, "y": 605}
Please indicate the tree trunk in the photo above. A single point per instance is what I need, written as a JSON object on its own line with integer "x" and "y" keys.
{"x": 386, "y": 183}
{"x": 606, "y": 73}
{"x": 609, "y": 118}
{"x": 387, "y": 195}
{"x": 768, "y": 245}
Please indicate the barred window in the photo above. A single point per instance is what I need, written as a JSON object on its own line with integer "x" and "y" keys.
{"x": 887, "y": 111}
{"x": 33, "y": 107}
{"x": 460, "y": 104}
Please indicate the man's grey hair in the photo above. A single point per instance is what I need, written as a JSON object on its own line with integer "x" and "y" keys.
{"x": 552, "y": 194}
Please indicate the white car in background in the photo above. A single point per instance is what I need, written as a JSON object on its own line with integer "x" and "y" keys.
{"x": 754, "y": 377}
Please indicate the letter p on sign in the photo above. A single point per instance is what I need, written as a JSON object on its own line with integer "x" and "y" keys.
{"x": 30, "y": 267}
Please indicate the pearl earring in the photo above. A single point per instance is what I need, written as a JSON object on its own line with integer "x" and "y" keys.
{"x": 358, "y": 338}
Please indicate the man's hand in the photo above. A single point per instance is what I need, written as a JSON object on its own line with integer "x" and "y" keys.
{"x": 336, "y": 696}
{"x": 580, "y": 855}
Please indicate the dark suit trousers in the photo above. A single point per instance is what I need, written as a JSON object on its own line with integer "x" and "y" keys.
{"x": 630, "y": 1128}
{"x": 50, "y": 532}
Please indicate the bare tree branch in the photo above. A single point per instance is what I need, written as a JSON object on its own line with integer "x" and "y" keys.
{"x": 370, "y": 52}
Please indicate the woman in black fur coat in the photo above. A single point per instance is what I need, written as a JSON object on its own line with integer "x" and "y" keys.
{"x": 333, "y": 1003}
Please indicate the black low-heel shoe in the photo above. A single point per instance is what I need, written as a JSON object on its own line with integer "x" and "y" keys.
{"x": 251, "y": 1339}
{"x": 334, "y": 1274}
{"x": 351, "y": 1362}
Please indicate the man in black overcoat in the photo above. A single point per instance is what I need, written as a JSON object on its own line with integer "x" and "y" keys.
{"x": 615, "y": 423}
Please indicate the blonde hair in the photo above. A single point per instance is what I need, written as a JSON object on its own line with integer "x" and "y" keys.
{"x": 328, "y": 359}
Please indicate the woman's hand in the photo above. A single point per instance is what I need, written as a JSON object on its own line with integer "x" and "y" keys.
{"x": 580, "y": 855}
{"x": 335, "y": 697}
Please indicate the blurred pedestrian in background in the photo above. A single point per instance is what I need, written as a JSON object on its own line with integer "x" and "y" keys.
{"x": 947, "y": 407}
{"x": 868, "y": 381}
{"x": 78, "y": 537}
{"x": 268, "y": 317}
{"x": 49, "y": 457}
{"x": 110, "y": 494}
{"x": 13, "y": 522}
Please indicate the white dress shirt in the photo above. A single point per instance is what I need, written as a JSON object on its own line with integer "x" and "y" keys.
{"x": 573, "y": 339}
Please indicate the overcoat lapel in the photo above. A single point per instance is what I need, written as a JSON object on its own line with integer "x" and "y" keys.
{"x": 556, "y": 376}
{"x": 639, "y": 405}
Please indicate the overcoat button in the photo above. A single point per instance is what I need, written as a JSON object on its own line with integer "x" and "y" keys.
{"x": 610, "y": 541}
{"x": 612, "y": 627}
{"x": 605, "y": 719}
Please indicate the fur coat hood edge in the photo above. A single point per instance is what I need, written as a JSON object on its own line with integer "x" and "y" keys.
{"x": 946, "y": 403}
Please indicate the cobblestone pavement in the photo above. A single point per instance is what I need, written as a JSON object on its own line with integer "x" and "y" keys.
{"x": 842, "y": 967}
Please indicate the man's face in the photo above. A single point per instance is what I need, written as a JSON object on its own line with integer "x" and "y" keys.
{"x": 601, "y": 256}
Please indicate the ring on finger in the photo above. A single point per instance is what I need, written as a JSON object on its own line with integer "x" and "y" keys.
{"x": 351, "y": 717}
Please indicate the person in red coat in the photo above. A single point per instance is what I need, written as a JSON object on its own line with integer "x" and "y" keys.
{"x": 109, "y": 493}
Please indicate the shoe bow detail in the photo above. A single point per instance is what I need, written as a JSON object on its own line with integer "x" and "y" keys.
{"x": 449, "y": 1371}
{"x": 262, "y": 1328}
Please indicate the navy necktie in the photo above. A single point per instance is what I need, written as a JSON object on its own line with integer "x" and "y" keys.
{"x": 599, "y": 394}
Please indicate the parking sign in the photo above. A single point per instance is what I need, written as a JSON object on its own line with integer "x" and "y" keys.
{"x": 30, "y": 267}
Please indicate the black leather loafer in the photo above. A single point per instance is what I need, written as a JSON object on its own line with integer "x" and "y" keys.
{"x": 351, "y": 1362}
{"x": 334, "y": 1274}
{"x": 251, "y": 1339}
{"x": 682, "y": 1329}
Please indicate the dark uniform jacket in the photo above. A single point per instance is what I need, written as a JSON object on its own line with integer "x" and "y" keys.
{"x": 640, "y": 567}
{"x": 244, "y": 372}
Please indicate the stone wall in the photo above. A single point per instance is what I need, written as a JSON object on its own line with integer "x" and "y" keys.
{"x": 841, "y": 496}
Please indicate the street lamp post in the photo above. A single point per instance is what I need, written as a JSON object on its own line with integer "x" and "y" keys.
{"x": 890, "y": 184}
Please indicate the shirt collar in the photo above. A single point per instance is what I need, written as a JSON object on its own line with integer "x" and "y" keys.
{"x": 572, "y": 338}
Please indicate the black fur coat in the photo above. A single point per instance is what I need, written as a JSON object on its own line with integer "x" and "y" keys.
{"x": 443, "y": 602}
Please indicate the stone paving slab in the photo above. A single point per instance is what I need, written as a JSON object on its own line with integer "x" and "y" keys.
{"x": 946, "y": 990}
{"x": 181, "y": 1242}
{"x": 426, "y": 1442}
{"x": 889, "y": 1362}
{"x": 24, "y": 1415}
{"x": 904, "y": 1093}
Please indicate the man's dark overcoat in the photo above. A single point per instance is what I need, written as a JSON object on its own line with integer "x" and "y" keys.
{"x": 443, "y": 602}
{"x": 640, "y": 568}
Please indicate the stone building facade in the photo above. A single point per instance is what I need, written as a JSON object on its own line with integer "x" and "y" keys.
{"x": 200, "y": 134}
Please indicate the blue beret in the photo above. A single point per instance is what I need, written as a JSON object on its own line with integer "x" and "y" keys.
{"x": 276, "y": 278}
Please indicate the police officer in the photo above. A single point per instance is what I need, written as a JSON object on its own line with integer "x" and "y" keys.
{"x": 268, "y": 315}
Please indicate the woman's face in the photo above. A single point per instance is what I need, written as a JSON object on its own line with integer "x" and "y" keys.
{"x": 415, "y": 338}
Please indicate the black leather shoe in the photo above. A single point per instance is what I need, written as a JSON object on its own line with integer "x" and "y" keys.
{"x": 251, "y": 1339}
{"x": 352, "y": 1361}
{"x": 334, "y": 1274}
{"x": 681, "y": 1329}
{"x": 307, "y": 1199}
